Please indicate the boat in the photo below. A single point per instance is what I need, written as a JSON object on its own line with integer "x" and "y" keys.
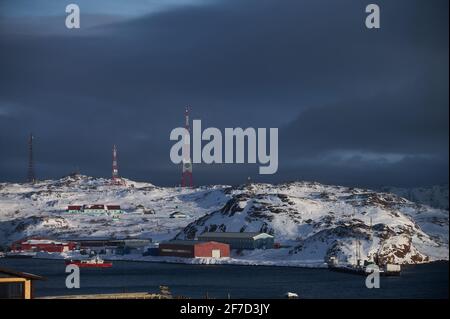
{"x": 386, "y": 270}
{"x": 95, "y": 262}
{"x": 352, "y": 269}
{"x": 363, "y": 267}
{"x": 291, "y": 295}
{"x": 392, "y": 270}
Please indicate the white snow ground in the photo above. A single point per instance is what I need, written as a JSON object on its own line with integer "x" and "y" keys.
{"x": 311, "y": 221}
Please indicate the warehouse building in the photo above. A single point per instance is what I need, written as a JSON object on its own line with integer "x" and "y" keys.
{"x": 95, "y": 209}
{"x": 238, "y": 240}
{"x": 194, "y": 249}
{"x": 108, "y": 245}
{"x": 42, "y": 244}
{"x": 113, "y": 209}
{"x": 74, "y": 209}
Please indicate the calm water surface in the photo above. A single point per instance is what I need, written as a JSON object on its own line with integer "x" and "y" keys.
{"x": 195, "y": 281}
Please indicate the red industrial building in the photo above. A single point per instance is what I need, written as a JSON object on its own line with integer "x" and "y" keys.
{"x": 40, "y": 244}
{"x": 96, "y": 208}
{"x": 75, "y": 208}
{"x": 194, "y": 249}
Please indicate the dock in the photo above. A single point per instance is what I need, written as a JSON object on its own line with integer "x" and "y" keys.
{"x": 129, "y": 295}
{"x": 164, "y": 293}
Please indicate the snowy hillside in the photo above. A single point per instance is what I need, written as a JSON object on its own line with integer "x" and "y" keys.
{"x": 311, "y": 221}
{"x": 315, "y": 221}
{"x": 435, "y": 196}
{"x": 40, "y": 209}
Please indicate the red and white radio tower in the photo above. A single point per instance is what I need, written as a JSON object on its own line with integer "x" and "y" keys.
{"x": 116, "y": 180}
{"x": 186, "y": 176}
{"x": 31, "y": 176}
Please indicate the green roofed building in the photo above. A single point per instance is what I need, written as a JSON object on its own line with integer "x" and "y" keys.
{"x": 240, "y": 240}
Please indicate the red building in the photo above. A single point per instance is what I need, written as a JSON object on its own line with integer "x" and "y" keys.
{"x": 194, "y": 249}
{"x": 75, "y": 208}
{"x": 96, "y": 208}
{"x": 47, "y": 245}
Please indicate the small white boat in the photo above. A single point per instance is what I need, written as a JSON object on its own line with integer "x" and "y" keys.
{"x": 392, "y": 270}
{"x": 291, "y": 295}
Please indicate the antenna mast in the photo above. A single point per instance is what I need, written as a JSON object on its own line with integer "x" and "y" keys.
{"x": 116, "y": 180}
{"x": 31, "y": 176}
{"x": 186, "y": 176}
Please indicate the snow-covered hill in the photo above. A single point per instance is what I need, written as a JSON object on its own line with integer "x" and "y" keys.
{"x": 40, "y": 209}
{"x": 434, "y": 196}
{"x": 315, "y": 221}
{"x": 311, "y": 221}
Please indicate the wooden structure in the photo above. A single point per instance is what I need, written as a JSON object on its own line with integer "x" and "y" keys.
{"x": 16, "y": 284}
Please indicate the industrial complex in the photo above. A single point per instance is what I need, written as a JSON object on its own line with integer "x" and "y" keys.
{"x": 194, "y": 249}
{"x": 240, "y": 240}
{"x": 208, "y": 245}
{"x": 94, "y": 209}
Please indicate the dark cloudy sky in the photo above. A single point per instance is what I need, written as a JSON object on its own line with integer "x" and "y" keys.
{"x": 353, "y": 106}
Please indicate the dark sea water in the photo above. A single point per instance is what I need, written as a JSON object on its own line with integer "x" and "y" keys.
{"x": 195, "y": 281}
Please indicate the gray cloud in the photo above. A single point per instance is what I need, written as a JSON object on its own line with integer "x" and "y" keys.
{"x": 353, "y": 106}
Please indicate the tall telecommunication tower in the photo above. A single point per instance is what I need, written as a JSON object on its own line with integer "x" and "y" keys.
{"x": 116, "y": 180}
{"x": 31, "y": 176}
{"x": 186, "y": 176}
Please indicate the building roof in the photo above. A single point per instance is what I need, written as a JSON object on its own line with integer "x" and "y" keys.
{"x": 96, "y": 206}
{"x": 189, "y": 242}
{"x": 240, "y": 235}
{"x": 34, "y": 240}
{"x": 6, "y": 272}
{"x": 43, "y": 242}
{"x": 105, "y": 239}
{"x": 182, "y": 242}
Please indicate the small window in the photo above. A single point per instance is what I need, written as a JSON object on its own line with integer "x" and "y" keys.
{"x": 11, "y": 290}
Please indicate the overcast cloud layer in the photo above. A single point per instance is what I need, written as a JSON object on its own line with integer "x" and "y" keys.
{"x": 353, "y": 106}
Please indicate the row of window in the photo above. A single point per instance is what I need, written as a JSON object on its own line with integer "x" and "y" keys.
{"x": 176, "y": 250}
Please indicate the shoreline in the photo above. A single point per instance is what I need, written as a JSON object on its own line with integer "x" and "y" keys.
{"x": 204, "y": 261}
